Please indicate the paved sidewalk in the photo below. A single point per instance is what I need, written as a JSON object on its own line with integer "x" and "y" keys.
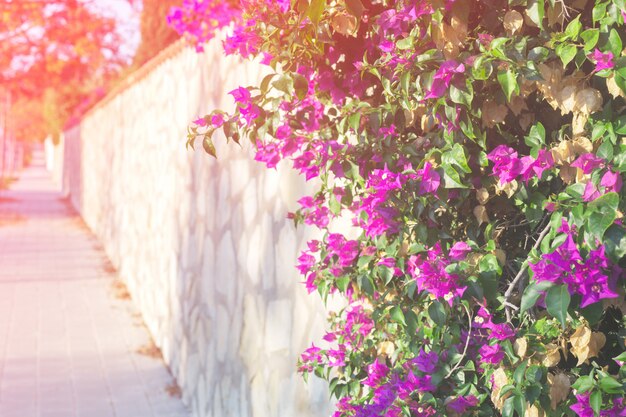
{"x": 68, "y": 347}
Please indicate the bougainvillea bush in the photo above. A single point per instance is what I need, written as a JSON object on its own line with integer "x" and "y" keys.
{"x": 478, "y": 149}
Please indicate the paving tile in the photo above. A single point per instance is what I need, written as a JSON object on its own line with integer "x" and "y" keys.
{"x": 67, "y": 348}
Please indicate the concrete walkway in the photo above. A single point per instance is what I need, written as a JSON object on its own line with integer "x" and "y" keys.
{"x": 68, "y": 346}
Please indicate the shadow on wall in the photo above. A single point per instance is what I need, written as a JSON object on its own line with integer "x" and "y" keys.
{"x": 204, "y": 245}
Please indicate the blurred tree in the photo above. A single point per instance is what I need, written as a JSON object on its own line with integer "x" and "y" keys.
{"x": 156, "y": 34}
{"x": 52, "y": 54}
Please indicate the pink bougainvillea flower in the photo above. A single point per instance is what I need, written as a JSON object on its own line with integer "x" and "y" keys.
{"x": 426, "y": 362}
{"x": 588, "y": 162}
{"x": 611, "y": 181}
{"x": 591, "y": 192}
{"x": 241, "y": 95}
{"x": 507, "y": 166}
{"x": 582, "y": 407}
{"x": 200, "y": 122}
{"x": 217, "y": 120}
{"x": 376, "y": 372}
{"x": 429, "y": 271}
{"x": 604, "y": 60}
{"x": 430, "y": 179}
{"x": 443, "y": 78}
{"x": 536, "y": 166}
{"x": 491, "y": 354}
{"x": 459, "y": 251}
{"x": 461, "y": 404}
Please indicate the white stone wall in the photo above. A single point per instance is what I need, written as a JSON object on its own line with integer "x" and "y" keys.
{"x": 203, "y": 245}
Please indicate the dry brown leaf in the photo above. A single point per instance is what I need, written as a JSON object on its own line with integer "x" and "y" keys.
{"x": 567, "y": 98}
{"x": 526, "y": 119}
{"x": 508, "y": 188}
{"x": 568, "y": 174}
{"x": 345, "y": 23}
{"x": 482, "y": 195}
{"x": 578, "y": 123}
{"x": 613, "y": 88}
{"x": 559, "y": 388}
{"x": 386, "y": 348}
{"x": 521, "y": 346}
{"x": 552, "y": 356}
{"x": 513, "y": 21}
{"x": 493, "y": 113}
{"x": 555, "y": 14}
{"x": 533, "y": 411}
{"x": 582, "y": 145}
{"x": 563, "y": 153}
{"x": 499, "y": 380}
{"x": 480, "y": 212}
{"x": 579, "y": 4}
{"x": 427, "y": 123}
{"x": 588, "y": 101}
{"x": 517, "y": 104}
{"x": 586, "y": 344}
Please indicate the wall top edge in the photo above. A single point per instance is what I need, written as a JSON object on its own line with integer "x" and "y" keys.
{"x": 172, "y": 50}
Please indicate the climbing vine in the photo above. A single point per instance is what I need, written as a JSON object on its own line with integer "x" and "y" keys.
{"x": 477, "y": 147}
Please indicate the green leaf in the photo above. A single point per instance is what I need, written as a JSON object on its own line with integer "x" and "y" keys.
{"x": 599, "y": 11}
{"x": 207, "y": 144}
{"x": 437, "y": 313}
{"x": 590, "y": 37}
{"x": 621, "y": 357}
{"x": 532, "y": 294}
{"x": 573, "y": 28}
{"x": 405, "y": 43}
{"x": 605, "y": 204}
{"x": 397, "y": 315}
{"x": 456, "y": 156}
{"x": 557, "y": 301}
{"x": 451, "y": 177}
{"x": 508, "y": 82}
{"x": 566, "y": 52}
{"x": 614, "y": 43}
{"x": 284, "y": 83}
{"x": 519, "y": 403}
{"x": 482, "y": 68}
{"x": 536, "y": 10}
{"x": 598, "y": 223}
{"x": 509, "y": 408}
{"x": 536, "y": 137}
{"x": 595, "y": 401}
{"x": 584, "y": 383}
{"x": 518, "y": 375}
{"x": 316, "y": 8}
{"x": 611, "y": 386}
{"x": 300, "y": 85}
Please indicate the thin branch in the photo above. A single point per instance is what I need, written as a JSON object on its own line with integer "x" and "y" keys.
{"x": 467, "y": 339}
{"x": 522, "y": 270}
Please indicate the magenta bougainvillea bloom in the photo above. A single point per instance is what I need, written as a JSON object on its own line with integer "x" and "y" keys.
{"x": 431, "y": 276}
{"x": 507, "y": 166}
{"x": 604, "y": 60}
{"x": 588, "y": 162}
{"x": 589, "y": 276}
{"x": 582, "y": 407}
{"x": 491, "y": 354}
{"x": 429, "y": 179}
{"x": 459, "y": 251}
{"x": 461, "y": 404}
{"x": 426, "y": 362}
{"x": 443, "y": 78}
{"x": 376, "y": 372}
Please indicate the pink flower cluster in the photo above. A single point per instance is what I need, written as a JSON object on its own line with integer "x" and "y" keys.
{"x": 592, "y": 276}
{"x": 429, "y": 271}
{"x": 508, "y": 166}
{"x": 199, "y": 20}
